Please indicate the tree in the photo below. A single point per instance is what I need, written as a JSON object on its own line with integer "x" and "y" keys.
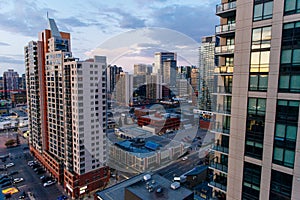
{"x": 10, "y": 143}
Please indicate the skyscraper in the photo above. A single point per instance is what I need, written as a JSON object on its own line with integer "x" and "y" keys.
{"x": 207, "y": 64}
{"x": 160, "y": 57}
{"x": 113, "y": 72}
{"x": 257, "y": 148}
{"x": 169, "y": 67}
{"x": 67, "y": 106}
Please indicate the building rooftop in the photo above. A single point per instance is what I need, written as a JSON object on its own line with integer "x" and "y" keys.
{"x": 197, "y": 170}
{"x": 137, "y": 186}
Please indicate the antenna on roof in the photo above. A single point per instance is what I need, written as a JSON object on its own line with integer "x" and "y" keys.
{"x": 47, "y": 15}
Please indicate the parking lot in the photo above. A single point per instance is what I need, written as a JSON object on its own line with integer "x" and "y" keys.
{"x": 31, "y": 184}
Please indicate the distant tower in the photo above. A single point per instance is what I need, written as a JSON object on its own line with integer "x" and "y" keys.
{"x": 11, "y": 82}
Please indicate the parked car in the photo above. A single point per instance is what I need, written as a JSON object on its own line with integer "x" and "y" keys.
{"x": 5, "y": 184}
{"x": 40, "y": 171}
{"x": 63, "y": 197}
{"x": 185, "y": 158}
{"x": 2, "y": 176}
{"x": 9, "y": 165}
{"x": 18, "y": 180}
{"x": 48, "y": 183}
{"x": 4, "y": 180}
{"x": 13, "y": 173}
{"x": 23, "y": 195}
{"x": 37, "y": 168}
{"x": 44, "y": 179}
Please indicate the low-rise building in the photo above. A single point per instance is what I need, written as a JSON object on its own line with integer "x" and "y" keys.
{"x": 146, "y": 187}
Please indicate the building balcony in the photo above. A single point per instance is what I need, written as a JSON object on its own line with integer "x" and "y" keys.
{"x": 227, "y": 90}
{"x": 218, "y": 128}
{"x": 222, "y": 109}
{"x": 224, "y": 50}
{"x": 220, "y": 149}
{"x": 218, "y": 185}
{"x": 226, "y": 9}
{"x": 218, "y": 166}
{"x": 224, "y": 70}
{"x": 225, "y": 30}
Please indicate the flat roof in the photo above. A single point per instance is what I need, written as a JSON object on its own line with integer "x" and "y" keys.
{"x": 157, "y": 181}
{"x": 137, "y": 185}
{"x": 136, "y": 132}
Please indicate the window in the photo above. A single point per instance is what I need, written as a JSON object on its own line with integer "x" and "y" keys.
{"x": 285, "y": 133}
{"x": 291, "y": 7}
{"x": 281, "y": 186}
{"x": 289, "y": 80}
{"x": 258, "y": 82}
{"x": 251, "y": 181}
{"x": 255, "y": 127}
{"x": 263, "y": 9}
{"x": 261, "y": 38}
{"x": 260, "y": 59}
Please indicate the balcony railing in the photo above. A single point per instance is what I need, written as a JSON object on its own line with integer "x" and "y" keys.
{"x": 226, "y": 28}
{"x": 223, "y": 90}
{"x": 225, "y": 49}
{"x": 220, "y": 148}
{"x": 224, "y": 70}
{"x": 218, "y": 128}
{"x": 218, "y": 185}
{"x": 219, "y": 166}
{"x": 223, "y": 109}
{"x": 224, "y": 7}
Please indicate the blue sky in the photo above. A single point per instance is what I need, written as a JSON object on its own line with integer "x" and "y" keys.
{"x": 93, "y": 23}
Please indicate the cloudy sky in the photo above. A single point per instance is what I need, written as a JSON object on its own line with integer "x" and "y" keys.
{"x": 125, "y": 31}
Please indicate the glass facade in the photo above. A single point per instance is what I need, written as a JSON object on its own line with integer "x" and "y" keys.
{"x": 251, "y": 181}
{"x": 255, "y": 127}
{"x": 289, "y": 80}
{"x": 286, "y": 132}
{"x": 263, "y": 9}
{"x": 281, "y": 186}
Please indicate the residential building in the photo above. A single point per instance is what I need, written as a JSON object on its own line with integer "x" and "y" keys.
{"x": 257, "y": 150}
{"x": 207, "y": 65}
{"x": 67, "y": 112}
{"x": 11, "y": 82}
{"x": 124, "y": 89}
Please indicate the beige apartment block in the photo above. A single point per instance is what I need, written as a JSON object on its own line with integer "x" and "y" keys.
{"x": 257, "y": 140}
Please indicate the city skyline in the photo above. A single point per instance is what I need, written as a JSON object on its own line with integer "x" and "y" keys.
{"x": 21, "y": 21}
